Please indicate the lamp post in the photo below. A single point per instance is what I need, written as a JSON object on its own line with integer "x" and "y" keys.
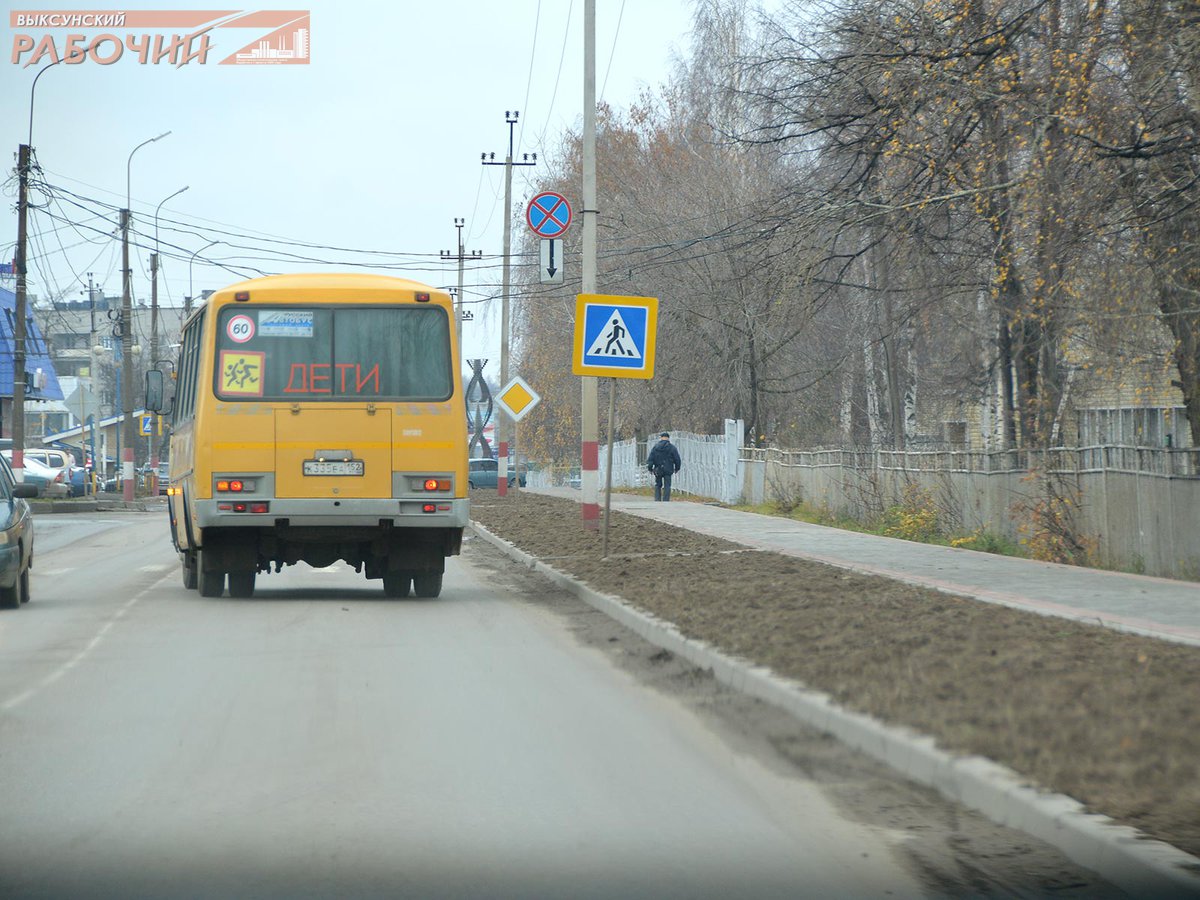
{"x": 187, "y": 303}
{"x": 127, "y": 425}
{"x": 153, "y": 479}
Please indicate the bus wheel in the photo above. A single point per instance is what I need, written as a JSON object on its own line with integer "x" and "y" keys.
{"x": 241, "y": 584}
{"x": 427, "y": 584}
{"x": 189, "y": 570}
{"x": 395, "y": 584}
{"x": 212, "y": 581}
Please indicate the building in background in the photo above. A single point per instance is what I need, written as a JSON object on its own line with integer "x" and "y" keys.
{"x": 41, "y": 379}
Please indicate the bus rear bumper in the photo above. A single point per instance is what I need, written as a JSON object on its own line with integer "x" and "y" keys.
{"x": 326, "y": 512}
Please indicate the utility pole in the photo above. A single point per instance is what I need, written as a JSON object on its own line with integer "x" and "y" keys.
{"x": 97, "y": 467}
{"x": 18, "y": 370}
{"x": 462, "y": 256}
{"x": 152, "y": 477}
{"x": 129, "y": 429}
{"x": 502, "y": 419}
{"x": 129, "y": 433}
{"x": 589, "y": 476}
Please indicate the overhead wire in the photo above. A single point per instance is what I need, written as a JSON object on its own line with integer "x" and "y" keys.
{"x": 537, "y": 18}
{"x": 558, "y": 75}
{"x": 612, "y": 53}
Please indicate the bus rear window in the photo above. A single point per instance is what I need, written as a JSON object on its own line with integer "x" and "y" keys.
{"x": 305, "y": 353}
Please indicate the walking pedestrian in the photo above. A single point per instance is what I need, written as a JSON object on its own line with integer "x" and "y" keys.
{"x": 663, "y": 462}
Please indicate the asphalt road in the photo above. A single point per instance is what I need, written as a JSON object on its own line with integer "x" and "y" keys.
{"x": 505, "y": 740}
{"x": 319, "y": 740}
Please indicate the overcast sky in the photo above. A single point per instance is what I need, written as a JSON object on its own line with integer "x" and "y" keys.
{"x": 374, "y": 145}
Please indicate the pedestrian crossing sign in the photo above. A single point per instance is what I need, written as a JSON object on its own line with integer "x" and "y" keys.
{"x": 614, "y": 336}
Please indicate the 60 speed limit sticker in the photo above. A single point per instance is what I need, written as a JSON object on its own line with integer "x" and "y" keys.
{"x": 240, "y": 329}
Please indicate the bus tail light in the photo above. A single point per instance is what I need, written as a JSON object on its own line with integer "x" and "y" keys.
{"x": 234, "y": 485}
{"x": 429, "y": 507}
{"x": 258, "y": 506}
{"x": 437, "y": 484}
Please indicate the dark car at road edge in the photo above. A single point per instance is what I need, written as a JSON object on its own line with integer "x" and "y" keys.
{"x": 16, "y": 538}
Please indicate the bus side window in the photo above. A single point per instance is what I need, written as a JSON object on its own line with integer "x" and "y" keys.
{"x": 185, "y": 394}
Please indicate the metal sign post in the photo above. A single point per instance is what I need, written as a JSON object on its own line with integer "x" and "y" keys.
{"x": 614, "y": 336}
{"x": 612, "y": 415}
{"x": 517, "y": 398}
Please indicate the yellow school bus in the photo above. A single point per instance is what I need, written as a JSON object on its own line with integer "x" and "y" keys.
{"x": 317, "y": 418}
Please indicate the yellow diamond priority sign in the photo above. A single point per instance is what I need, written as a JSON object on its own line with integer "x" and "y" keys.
{"x": 518, "y": 398}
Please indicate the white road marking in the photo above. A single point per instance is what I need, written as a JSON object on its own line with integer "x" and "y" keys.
{"x": 14, "y": 702}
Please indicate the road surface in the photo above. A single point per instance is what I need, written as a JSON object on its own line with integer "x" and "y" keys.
{"x": 319, "y": 740}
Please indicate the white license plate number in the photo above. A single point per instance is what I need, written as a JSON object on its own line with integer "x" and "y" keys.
{"x": 338, "y": 467}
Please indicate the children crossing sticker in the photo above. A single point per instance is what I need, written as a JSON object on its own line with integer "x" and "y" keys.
{"x": 241, "y": 373}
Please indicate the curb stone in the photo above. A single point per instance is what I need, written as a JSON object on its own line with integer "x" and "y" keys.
{"x": 1127, "y": 858}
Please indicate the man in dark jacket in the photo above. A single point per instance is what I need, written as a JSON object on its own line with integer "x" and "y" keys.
{"x": 663, "y": 462}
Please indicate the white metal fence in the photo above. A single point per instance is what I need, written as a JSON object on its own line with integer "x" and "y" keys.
{"x": 711, "y": 465}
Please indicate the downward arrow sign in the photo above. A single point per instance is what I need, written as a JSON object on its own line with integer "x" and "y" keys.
{"x": 552, "y": 268}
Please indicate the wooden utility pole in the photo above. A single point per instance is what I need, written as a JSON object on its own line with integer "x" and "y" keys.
{"x": 502, "y": 418}
{"x": 18, "y": 368}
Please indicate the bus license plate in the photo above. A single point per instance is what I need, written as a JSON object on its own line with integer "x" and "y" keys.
{"x": 337, "y": 467}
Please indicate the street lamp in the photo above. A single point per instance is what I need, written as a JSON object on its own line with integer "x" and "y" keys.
{"x": 160, "y": 206}
{"x": 129, "y": 165}
{"x": 127, "y": 331}
{"x": 187, "y": 303}
{"x": 153, "y": 448}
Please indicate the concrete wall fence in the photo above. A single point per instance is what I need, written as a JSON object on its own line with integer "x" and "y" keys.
{"x": 1139, "y": 507}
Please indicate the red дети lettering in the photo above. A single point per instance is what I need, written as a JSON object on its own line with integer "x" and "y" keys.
{"x": 322, "y": 375}
{"x": 360, "y": 381}
{"x": 303, "y": 388}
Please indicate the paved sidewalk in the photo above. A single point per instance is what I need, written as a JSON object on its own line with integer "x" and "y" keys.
{"x": 1158, "y": 607}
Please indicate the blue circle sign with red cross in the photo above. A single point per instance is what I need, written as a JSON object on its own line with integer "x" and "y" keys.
{"x": 549, "y": 214}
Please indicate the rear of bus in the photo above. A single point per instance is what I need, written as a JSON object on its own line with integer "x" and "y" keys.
{"x": 321, "y": 422}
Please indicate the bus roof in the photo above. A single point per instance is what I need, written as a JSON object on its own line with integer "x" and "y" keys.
{"x": 355, "y": 281}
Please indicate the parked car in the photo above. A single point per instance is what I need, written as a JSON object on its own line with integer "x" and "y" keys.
{"x": 16, "y": 538}
{"x": 80, "y": 481}
{"x": 164, "y": 473}
{"x": 54, "y": 458}
{"x": 483, "y": 473}
{"x": 49, "y": 482}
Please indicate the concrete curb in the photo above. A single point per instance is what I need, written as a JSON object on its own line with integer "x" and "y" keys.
{"x": 1124, "y": 856}
{"x": 58, "y": 507}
